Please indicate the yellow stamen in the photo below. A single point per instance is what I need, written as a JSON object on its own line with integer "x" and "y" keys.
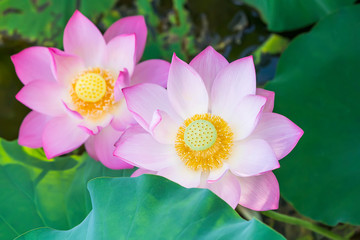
{"x": 92, "y": 93}
{"x": 204, "y": 142}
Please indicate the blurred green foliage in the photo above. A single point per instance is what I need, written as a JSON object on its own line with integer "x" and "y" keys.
{"x": 275, "y": 44}
{"x": 177, "y": 38}
{"x": 43, "y": 21}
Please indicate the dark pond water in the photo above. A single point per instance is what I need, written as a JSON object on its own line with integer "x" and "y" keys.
{"x": 11, "y": 111}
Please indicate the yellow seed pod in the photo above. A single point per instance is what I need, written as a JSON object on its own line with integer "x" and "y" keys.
{"x": 90, "y": 87}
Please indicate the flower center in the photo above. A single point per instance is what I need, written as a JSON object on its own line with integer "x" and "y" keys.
{"x": 90, "y": 87}
{"x": 200, "y": 135}
{"x": 204, "y": 142}
{"x": 92, "y": 93}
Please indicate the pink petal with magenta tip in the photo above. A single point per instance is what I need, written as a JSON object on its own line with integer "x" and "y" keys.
{"x": 82, "y": 38}
{"x": 43, "y": 96}
{"x": 281, "y": 133}
{"x": 208, "y": 64}
{"x": 120, "y": 53}
{"x": 231, "y": 85}
{"x": 34, "y": 63}
{"x": 186, "y": 90}
{"x": 270, "y": 97}
{"x": 128, "y": 25}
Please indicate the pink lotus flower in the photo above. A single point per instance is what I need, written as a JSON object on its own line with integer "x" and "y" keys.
{"x": 211, "y": 129}
{"x": 76, "y": 94}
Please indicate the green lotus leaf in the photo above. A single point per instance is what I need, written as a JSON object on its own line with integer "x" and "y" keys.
{"x": 152, "y": 207}
{"x": 317, "y": 86}
{"x": 36, "y": 192}
{"x": 285, "y": 15}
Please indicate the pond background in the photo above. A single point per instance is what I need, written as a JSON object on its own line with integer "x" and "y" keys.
{"x": 232, "y": 27}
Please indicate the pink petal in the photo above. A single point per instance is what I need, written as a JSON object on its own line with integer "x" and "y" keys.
{"x": 186, "y": 90}
{"x": 90, "y": 148}
{"x": 133, "y": 130}
{"x": 104, "y": 144}
{"x": 94, "y": 127}
{"x": 62, "y": 135}
{"x": 120, "y": 53}
{"x": 72, "y": 113}
{"x": 142, "y": 171}
{"x": 163, "y": 128}
{"x": 122, "y": 118}
{"x": 270, "y": 97}
{"x": 181, "y": 174}
{"x": 151, "y": 71}
{"x": 227, "y": 188}
{"x": 208, "y": 64}
{"x": 31, "y": 129}
{"x": 216, "y": 174}
{"x": 253, "y": 157}
{"x": 82, "y": 38}
{"x": 260, "y": 193}
{"x": 68, "y": 66}
{"x": 42, "y": 96}
{"x": 122, "y": 81}
{"x": 128, "y": 25}
{"x": 34, "y": 63}
{"x": 90, "y": 131}
{"x": 143, "y": 99}
{"x": 138, "y": 148}
{"x": 233, "y": 83}
{"x": 246, "y": 116}
{"x": 281, "y": 133}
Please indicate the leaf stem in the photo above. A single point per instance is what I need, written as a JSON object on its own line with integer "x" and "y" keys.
{"x": 350, "y": 234}
{"x": 300, "y": 222}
